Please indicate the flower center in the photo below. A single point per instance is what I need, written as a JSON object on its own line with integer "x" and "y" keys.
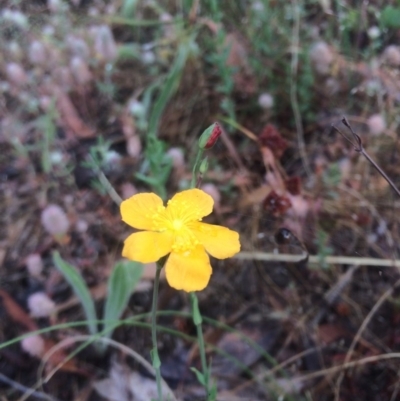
{"x": 177, "y": 225}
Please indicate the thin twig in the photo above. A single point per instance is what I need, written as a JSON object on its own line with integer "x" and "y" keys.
{"x": 105, "y": 182}
{"x": 20, "y": 387}
{"x": 316, "y": 260}
{"x": 358, "y": 147}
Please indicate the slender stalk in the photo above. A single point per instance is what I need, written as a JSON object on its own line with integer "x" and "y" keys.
{"x": 154, "y": 352}
{"x": 197, "y": 319}
{"x": 196, "y": 168}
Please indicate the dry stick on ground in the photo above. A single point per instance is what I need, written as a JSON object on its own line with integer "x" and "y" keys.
{"x": 316, "y": 260}
{"x": 22, "y": 388}
{"x": 357, "y": 337}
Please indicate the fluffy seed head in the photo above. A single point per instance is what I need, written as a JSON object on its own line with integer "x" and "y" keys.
{"x": 34, "y": 264}
{"x": 391, "y": 55}
{"x": 376, "y": 124}
{"x": 321, "y": 56}
{"x": 213, "y": 191}
{"x": 54, "y": 220}
{"x": 16, "y": 74}
{"x": 40, "y": 305}
{"x": 33, "y": 345}
{"x": 104, "y": 44}
{"x": 265, "y": 100}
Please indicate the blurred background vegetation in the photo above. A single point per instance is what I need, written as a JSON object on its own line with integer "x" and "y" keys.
{"x": 101, "y": 99}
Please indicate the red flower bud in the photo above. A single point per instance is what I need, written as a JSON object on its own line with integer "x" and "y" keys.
{"x": 210, "y": 136}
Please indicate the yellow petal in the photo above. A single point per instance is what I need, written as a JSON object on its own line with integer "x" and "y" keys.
{"x": 147, "y": 246}
{"x": 219, "y": 242}
{"x": 139, "y": 210}
{"x": 190, "y": 205}
{"x": 188, "y": 271}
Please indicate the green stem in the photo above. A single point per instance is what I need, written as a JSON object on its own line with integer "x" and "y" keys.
{"x": 154, "y": 352}
{"x": 197, "y": 319}
{"x": 196, "y": 168}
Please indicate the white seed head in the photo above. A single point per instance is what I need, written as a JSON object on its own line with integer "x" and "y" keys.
{"x": 391, "y": 55}
{"x": 33, "y": 345}
{"x": 37, "y": 53}
{"x": 104, "y": 44}
{"x": 376, "y": 124}
{"x": 374, "y": 32}
{"x": 81, "y": 226}
{"x": 15, "y": 17}
{"x": 266, "y": 101}
{"x": 80, "y": 70}
{"x": 178, "y": 158}
{"x": 134, "y": 146}
{"x": 321, "y": 56}
{"x": 257, "y": 6}
{"x": 16, "y": 74}
{"x": 148, "y": 57}
{"x": 78, "y": 47}
{"x": 57, "y": 6}
{"x": 54, "y": 220}
{"x": 34, "y": 264}
{"x": 213, "y": 191}
{"x": 136, "y": 108}
{"x": 40, "y": 305}
{"x": 56, "y": 157}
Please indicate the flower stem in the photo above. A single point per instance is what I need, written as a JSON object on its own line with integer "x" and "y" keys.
{"x": 197, "y": 320}
{"x": 196, "y": 168}
{"x": 154, "y": 352}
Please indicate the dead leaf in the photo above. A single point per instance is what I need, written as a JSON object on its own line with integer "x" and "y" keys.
{"x": 16, "y": 313}
{"x": 328, "y": 333}
{"x": 70, "y": 119}
{"x": 60, "y": 357}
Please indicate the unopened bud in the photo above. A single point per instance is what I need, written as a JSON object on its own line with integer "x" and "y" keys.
{"x": 210, "y": 136}
{"x": 203, "y": 166}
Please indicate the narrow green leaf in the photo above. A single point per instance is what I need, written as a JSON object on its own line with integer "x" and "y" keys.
{"x": 80, "y": 288}
{"x": 200, "y": 377}
{"x": 121, "y": 284}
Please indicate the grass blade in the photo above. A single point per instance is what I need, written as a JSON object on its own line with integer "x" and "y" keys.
{"x": 122, "y": 283}
{"x": 80, "y": 289}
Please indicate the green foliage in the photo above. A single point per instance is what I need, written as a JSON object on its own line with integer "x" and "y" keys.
{"x": 120, "y": 287}
{"x": 323, "y": 249}
{"x": 47, "y": 126}
{"x": 80, "y": 288}
{"x": 331, "y": 178}
{"x": 157, "y": 166}
{"x": 390, "y": 17}
{"x": 121, "y": 284}
{"x": 128, "y": 8}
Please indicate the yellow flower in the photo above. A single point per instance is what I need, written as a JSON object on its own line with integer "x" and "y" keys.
{"x": 177, "y": 230}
